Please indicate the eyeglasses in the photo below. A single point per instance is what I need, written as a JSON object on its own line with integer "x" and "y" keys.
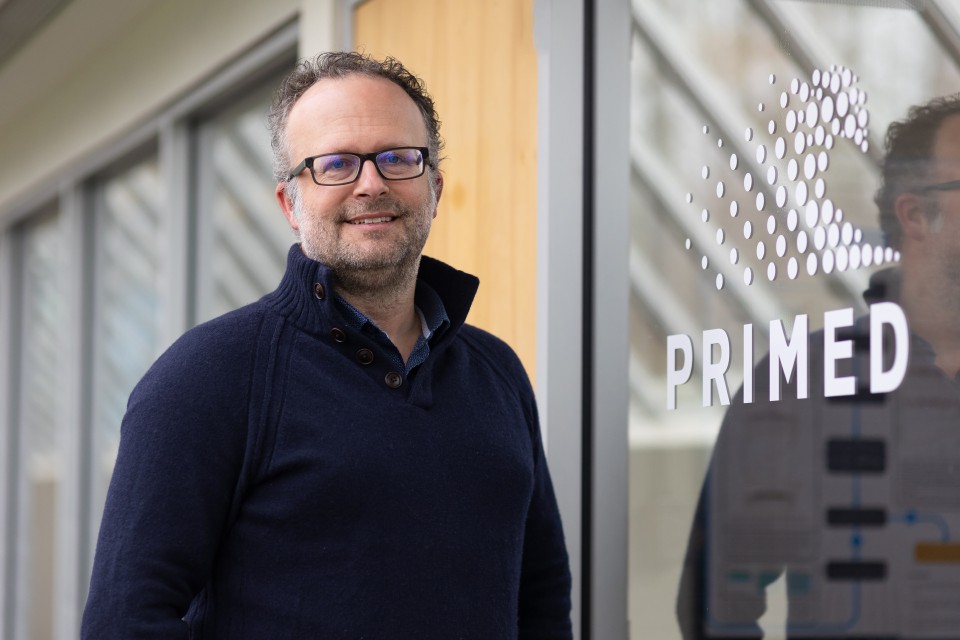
{"x": 941, "y": 186}
{"x": 332, "y": 169}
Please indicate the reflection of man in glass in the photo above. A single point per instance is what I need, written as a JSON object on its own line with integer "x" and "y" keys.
{"x": 853, "y": 501}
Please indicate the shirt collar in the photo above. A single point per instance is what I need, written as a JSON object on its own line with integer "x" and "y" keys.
{"x": 427, "y": 304}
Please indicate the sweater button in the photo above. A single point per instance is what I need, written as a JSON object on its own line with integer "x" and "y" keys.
{"x": 339, "y": 335}
{"x": 393, "y": 380}
{"x": 365, "y": 356}
{"x": 319, "y": 292}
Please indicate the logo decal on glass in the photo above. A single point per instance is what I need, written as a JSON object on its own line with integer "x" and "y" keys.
{"x": 803, "y": 225}
{"x": 801, "y": 230}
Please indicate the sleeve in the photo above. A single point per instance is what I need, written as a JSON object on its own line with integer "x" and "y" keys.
{"x": 181, "y": 451}
{"x": 544, "y": 607}
{"x": 734, "y": 548}
{"x": 692, "y": 608}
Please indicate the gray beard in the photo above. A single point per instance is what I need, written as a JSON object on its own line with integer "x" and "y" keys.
{"x": 363, "y": 277}
{"x": 364, "y": 281}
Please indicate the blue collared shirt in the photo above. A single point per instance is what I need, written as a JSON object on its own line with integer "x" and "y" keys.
{"x": 433, "y": 322}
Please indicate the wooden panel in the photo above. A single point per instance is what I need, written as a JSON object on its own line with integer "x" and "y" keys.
{"x": 479, "y": 63}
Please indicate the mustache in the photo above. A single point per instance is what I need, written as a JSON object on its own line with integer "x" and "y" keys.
{"x": 350, "y": 210}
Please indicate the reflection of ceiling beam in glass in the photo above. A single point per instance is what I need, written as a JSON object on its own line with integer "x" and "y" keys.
{"x": 800, "y": 47}
{"x": 645, "y": 387}
{"x": 709, "y": 98}
{"x": 129, "y": 333}
{"x": 250, "y": 257}
{"x": 235, "y": 284}
{"x": 943, "y": 28}
{"x": 127, "y": 261}
{"x": 129, "y": 210}
{"x": 41, "y": 352}
{"x": 660, "y": 301}
{"x": 250, "y": 137}
{"x": 132, "y": 209}
{"x": 252, "y": 246}
{"x": 659, "y": 298}
{"x": 758, "y": 303}
{"x": 804, "y": 45}
{"x": 252, "y": 181}
{"x": 687, "y": 74}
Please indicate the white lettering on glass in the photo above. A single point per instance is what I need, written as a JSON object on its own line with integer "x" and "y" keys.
{"x": 787, "y": 355}
{"x": 834, "y": 350}
{"x": 677, "y": 377}
{"x": 890, "y": 314}
{"x": 747, "y": 363}
{"x": 715, "y": 371}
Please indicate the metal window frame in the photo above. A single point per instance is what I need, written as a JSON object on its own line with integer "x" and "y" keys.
{"x": 9, "y": 354}
{"x": 610, "y": 309}
{"x": 72, "y": 421}
{"x": 583, "y": 292}
{"x": 559, "y": 40}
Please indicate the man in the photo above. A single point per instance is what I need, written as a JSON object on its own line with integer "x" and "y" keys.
{"x": 344, "y": 458}
{"x": 854, "y": 501}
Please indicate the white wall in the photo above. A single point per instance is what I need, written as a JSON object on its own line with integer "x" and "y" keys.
{"x": 102, "y": 67}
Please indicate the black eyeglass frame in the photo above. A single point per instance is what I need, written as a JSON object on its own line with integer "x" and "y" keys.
{"x": 308, "y": 164}
{"x": 940, "y": 186}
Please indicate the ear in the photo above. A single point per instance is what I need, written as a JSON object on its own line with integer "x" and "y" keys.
{"x": 438, "y": 186}
{"x": 286, "y": 205}
{"x": 911, "y": 210}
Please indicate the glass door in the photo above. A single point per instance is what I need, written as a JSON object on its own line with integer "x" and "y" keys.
{"x": 793, "y": 442}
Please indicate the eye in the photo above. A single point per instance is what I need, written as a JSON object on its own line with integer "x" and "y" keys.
{"x": 392, "y": 157}
{"x": 400, "y": 164}
{"x": 333, "y": 163}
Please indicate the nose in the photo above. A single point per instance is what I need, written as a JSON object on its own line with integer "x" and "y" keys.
{"x": 370, "y": 182}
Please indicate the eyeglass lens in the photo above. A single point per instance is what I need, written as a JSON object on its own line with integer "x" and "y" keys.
{"x": 393, "y": 164}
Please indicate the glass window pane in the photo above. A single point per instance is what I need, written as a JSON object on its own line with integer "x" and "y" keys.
{"x": 127, "y": 246}
{"x": 40, "y": 462}
{"x": 757, "y": 133}
{"x": 243, "y": 234}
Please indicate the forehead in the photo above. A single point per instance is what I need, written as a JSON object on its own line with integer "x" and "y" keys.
{"x": 355, "y": 113}
{"x": 946, "y": 144}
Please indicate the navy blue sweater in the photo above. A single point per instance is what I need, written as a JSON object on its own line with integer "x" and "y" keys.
{"x": 277, "y": 478}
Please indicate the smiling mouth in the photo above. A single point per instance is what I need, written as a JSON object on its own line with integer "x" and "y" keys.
{"x": 372, "y": 220}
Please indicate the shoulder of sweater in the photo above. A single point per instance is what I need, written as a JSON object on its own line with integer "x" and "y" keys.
{"x": 237, "y": 329}
{"x": 486, "y": 342}
{"x": 499, "y": 355}
{"x": 216, "y": 354}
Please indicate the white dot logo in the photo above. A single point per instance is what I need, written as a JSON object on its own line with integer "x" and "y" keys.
{"x": 793, "y": 167}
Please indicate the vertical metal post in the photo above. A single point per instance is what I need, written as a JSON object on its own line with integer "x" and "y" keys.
{"x": 559, "y": 36}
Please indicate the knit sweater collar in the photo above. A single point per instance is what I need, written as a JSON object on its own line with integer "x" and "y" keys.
{"x": 306, "y": 290}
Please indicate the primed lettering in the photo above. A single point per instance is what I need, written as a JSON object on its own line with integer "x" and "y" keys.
{"x": 677, "y": 377}
{"x": 786, "y": 355}
{"x": 833, "y": 351}
{"x": 890, "y": 314}
{"x": 790, "y": 357}
{"x": 715, "y": 372}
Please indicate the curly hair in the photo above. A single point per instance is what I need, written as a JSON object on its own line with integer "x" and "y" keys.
{"x": 340, "y": 64}
{"x": 906, "y": 164}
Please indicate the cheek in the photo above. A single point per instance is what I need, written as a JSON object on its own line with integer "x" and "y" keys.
{"x": 318, "y": 209}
